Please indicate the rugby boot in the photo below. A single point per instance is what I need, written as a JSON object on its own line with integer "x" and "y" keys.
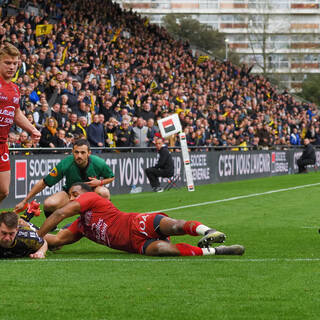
{"x": 235, "y": 249}
{"x": 212, "y": 236}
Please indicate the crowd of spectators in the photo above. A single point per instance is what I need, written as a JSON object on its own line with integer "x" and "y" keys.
{"x": 108, "y": 75}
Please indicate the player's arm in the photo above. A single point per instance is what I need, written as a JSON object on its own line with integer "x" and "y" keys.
{"x": 70, "y": 209}
{"x": 38, "y": 187}
{"x": 21, "y": 120}
{"x": 63, "y": 237}
{"x": 41, "y": 253}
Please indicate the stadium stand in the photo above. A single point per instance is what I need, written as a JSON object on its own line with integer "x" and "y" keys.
{"x": 99, "y": 59}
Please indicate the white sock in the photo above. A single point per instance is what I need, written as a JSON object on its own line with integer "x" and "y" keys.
{"x": 207, "y": 251}
{"x": 201, "y": 229}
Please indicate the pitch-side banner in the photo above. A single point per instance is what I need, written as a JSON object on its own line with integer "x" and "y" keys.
{"x": 129, "y": 170}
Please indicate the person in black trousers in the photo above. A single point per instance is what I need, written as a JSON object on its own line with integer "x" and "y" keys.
{"x": 308, "y": 156}
{"x": 163, "y": 168}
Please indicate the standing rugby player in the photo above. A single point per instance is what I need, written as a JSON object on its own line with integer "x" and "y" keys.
{"x": 10, "y": 112}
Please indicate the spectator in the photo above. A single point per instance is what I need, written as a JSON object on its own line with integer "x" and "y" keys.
{"x": 95, "y": 133}
{"x": 23, "y": 137}
{"x": 124, "y": 136}
{"x": 152, "y": 130}
{"x": 55, "y": 112}
{"x": 73, "y": 128}
{"x": 59, "y": 140}
{"x": 83, "y": 125}
{"x": 295, "y": 137}
{"x": 110, "y": 134}
{"x": 140, "y": 134}
{"x": 48, "y": 133}
{"x": 40, "y": 115}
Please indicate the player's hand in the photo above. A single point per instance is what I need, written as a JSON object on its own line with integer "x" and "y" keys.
{"x": 94, "y": 182}
{"x": 37, "y": 255}
{"x": 20, "y": 206}
{"x": 35, "y": 135}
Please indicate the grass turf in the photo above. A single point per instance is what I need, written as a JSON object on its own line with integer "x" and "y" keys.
{"x": 278, "y": 277}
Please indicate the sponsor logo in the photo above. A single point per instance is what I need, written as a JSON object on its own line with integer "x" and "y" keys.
{"x": 3, "y": 98}
{"x": 168, "y": 126}
{"x": 6, "y": 116}
{"x": 5, "y": 157}
{"x": 21, "y": 178}
{"x": 16, "y": 100}
{"x": 53, "y": 172}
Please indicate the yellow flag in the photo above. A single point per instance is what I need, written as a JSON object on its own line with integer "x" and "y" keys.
{"x": 116, "y": 35}
{"x": 153, "y": 85}
{"x": 202, "y": 59}
{"x": 42, "y": 29}
{"x": 146, "y": 23}
{"x": 64, "y": 54}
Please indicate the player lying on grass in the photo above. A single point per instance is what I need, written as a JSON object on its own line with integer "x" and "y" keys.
{"x": 19, "y": 241}
{"x": 143, "y": 233}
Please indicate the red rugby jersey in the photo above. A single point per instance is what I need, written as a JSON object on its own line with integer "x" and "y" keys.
{"x": 102, "y": 222}
{"x": 9, "y": 102}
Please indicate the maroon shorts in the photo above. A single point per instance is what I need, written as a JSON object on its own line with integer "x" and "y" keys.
{"x": 4, "y": 157}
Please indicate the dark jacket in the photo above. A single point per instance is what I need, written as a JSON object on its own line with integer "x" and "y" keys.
{"x": 95, "y": 134}
{"x": 165, "y": 161}
{"x": 309, "y": 153}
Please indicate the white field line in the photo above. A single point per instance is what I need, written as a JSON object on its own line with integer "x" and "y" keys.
{"x": 238, "y": 197}
{"x": 166, "y": 260}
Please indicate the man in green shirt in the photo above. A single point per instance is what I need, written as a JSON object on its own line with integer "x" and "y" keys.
{"x": 81, "y": 166}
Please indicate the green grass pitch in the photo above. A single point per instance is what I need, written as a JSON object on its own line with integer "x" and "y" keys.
{"x": 277, "y": 278}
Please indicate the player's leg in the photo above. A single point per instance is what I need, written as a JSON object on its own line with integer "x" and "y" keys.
{"x": 163, "y": 248}
{"x": 103, "y": 192}
{"x": 5, "y": 173}
{"x": 4, "y": 184}
{"x": 54, "y": 202}
{"x": 171, "y": 227}
{"x": 156, "y": 229}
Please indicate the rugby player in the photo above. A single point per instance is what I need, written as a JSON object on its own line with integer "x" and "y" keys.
{"x": 10, "y": 112}
{"x": 142, "y": 233}
{"x": 19, "y": 241}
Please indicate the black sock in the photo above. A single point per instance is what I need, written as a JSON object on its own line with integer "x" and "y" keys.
{"x": 47, "y": 213}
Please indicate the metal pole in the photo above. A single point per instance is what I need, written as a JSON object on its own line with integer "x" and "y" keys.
{"x": 227, "y": 48}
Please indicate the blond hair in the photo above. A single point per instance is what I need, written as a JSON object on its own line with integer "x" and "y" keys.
{"x": 54, "y": 120}
{"x": 9, "y": 50}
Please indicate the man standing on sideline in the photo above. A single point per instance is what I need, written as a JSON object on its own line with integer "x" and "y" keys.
{"x": 164, "y": 167}
{"x": 17, "y": 241}
{"x": 142, "y": 233}
{"x": 81, "y": 166}
{"x": 308, "y": 156}
{"x": 10, "y": 112}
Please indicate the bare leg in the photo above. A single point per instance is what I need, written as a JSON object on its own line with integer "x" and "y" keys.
{"x": 4, "y": 184}
{"x": 172, "y": 227}
{"x": 54, "y": 202}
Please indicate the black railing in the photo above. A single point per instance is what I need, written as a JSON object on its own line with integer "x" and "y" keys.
{"x": 152, "y": 149}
